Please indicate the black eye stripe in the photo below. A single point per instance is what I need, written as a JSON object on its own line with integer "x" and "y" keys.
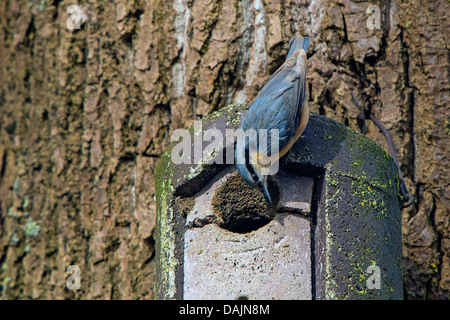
{"x": 252, "y": 172}
{"x": 250, "y": 168}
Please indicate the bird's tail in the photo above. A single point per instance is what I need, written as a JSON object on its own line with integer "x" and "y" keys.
{"x": 296, "y": 44}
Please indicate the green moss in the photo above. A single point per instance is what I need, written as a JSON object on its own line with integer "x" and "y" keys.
{"x": 15, "y": 185}
{"x": 31, "y": 228}
{"x": 369, "y": 196}
{"x": 25, "y": 204}
{"x": 233, "y": 113}
{"x": 434, "y": 268}
{"x": 165, "y": 237}
{"x": 11, "y": 212}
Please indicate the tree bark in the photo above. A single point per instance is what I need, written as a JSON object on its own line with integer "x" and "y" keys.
{"x": 86, "y": 113}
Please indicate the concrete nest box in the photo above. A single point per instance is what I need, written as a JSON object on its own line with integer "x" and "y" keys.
{"x": 333, "y": 233}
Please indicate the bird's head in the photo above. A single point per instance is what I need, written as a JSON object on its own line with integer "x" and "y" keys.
{"x": 252, "y": 173}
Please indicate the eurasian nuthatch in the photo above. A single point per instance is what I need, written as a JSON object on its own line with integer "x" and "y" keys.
{"x": 281, "y": 104}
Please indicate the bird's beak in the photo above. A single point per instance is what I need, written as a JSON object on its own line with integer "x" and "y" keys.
{"x": 266, "y": 193}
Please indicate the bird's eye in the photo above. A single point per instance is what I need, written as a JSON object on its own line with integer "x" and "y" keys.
{"x": 254, "y": 176}
{"x": 249, "y": 167}
{"x": 252, "y": 172}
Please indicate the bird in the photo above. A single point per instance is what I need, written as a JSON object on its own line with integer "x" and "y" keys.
{"x": 280, "y": 104}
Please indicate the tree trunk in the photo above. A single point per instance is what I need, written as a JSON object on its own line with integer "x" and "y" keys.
{"x": 86, "y": 113}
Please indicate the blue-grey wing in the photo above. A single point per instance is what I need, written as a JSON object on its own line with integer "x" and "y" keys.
{"x": 279, "y": 103}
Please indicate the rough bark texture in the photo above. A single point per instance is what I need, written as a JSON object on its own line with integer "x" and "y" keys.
{"x": 85, "y": 115}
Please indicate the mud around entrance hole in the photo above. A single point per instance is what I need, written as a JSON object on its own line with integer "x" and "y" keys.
{"x": 242, "y": 208}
